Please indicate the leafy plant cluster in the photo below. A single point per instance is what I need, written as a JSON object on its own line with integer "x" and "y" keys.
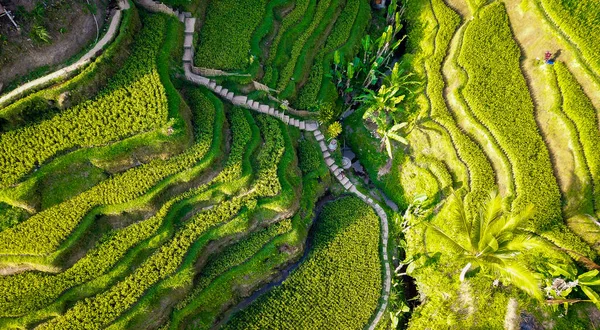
{"x": 309, "y": 156}
{"x": 338, "y": 284}
{"x": 134, "y": 101}
{"x": 44, "y": 231}
{"x": 228, "y": 26}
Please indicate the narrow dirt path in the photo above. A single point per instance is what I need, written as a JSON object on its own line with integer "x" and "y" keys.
{"x": 556, "y": 130}
{"x": 456, "y": 78}
{"x": 83, "y": 61}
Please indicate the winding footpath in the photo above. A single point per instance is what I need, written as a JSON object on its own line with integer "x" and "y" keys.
{"x": 113, "y": 28}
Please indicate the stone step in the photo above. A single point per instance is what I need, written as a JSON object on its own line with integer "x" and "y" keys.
{"x": 230, "y": 96}
{"x": 319, "y": 136}
{"x": 344, "y": 181}
{"x": 326, "y": 154}
{"x": 190, "y": 23}
{"x": 286, "y": 119}
{"x": 323, "y": 146}
{"x": 212, "y": 84}
{"x": 187, "y": 55}
{"x": 264, "y": 108}
{"x": 271, "y": 111}
{"x": 218, "y": 89}
{"x": 311, "y": 125}
{"x": 239, "y": 100}
{"x": 336, "y": 172}
{"x": 224, "y": 92}
{"x": 348, "y": 185}
{"x": 334, "y": 167}
{"x": 329, "y": 161}
{"x": 188, "y": 42}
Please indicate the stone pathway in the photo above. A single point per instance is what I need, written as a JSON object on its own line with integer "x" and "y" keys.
{"x": 83, "y": 61}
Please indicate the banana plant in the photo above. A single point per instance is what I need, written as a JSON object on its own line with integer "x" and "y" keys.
{"x": 387, "y": 135}
{"x": 385, "y": 100}
{"x": 565, "y": 281}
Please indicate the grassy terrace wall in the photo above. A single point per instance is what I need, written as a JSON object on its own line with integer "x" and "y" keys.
{"x": 497, "y": 93}
{"x": 579, "y": 109}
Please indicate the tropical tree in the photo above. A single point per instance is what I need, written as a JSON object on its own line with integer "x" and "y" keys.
{"x": 491, "y": 239}
{"x": 385, "y": 100}
{"x": 389, "y": 134}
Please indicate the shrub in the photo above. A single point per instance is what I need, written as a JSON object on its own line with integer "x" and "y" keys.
{"x": 309, "y": 155}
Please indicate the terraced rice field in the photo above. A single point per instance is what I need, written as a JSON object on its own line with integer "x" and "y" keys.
{"x": 186, "y": 177}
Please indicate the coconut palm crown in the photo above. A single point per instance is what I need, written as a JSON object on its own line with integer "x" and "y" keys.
{"x": 493, "y": 239}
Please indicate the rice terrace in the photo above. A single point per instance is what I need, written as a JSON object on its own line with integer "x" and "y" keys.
{"x": 300, "y": 164}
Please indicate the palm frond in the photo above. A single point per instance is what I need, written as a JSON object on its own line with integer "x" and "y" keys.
{"x": 521, "y": 277}
{"x": 453, "y": 244}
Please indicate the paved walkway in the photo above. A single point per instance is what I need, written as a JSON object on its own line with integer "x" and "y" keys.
{"x": 83, "y": 61}
{"x": 308, "y": 125}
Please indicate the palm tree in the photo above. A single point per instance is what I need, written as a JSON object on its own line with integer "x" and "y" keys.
{"x": 387, "y": 135}
{"x": 493, "y": 239}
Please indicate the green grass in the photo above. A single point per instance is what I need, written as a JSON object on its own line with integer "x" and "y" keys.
{"x": 336, "y": 265}
{"x": 229, "y": 25}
